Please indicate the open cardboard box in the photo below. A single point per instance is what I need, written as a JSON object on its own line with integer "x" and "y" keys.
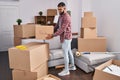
{"x": 49, "y": 77}
{"x": 101, "y": 75}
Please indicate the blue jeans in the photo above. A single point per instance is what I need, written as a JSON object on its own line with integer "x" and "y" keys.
{"x": 68, "y": 55}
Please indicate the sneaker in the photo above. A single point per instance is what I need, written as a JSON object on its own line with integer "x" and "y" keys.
{"x": 64, "y": 73}
{"x": 72, "y": 68}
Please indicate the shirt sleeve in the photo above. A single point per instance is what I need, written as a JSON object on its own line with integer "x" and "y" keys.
{"x": 63, "y": 27}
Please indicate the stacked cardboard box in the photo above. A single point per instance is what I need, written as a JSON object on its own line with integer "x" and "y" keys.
{"x": 29, "y": 64}
{"x": 42, "y": 31}
{"x": 31, "y": 30}
{"x": 88, "y": 40}
{"x": 51, "y": 12}
{"x": 23, "y": 31}
{"x": 88, "y": 27}
{"x": 29, "y": 61}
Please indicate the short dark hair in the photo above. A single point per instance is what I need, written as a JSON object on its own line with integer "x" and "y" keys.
{"x": 61, "y": 4}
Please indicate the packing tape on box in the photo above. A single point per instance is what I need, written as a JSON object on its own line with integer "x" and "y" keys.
{"x": 78, "y": 54}
{"x": 21, "y": 47}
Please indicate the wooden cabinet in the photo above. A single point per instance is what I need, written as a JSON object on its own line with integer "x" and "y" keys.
{"x": 44, "y": 20}
{"x": 50, "y": 20}
{"x": 40, "y": 20}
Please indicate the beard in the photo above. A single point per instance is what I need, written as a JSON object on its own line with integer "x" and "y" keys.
{"x": 62, "y": 13}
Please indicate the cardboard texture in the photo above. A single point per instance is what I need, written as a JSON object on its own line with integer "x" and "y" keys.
{"x": 88, "y": 33}
{"x": 39, "y": 72}
{"x": 100, "y": 75}
{"x": 92, "y": 45}
{"x": 42, "y": 31}
{"x": 24, "y": 31}
{"x": 49, "y": 77}
{"x": 88, "y": 22}
{"x": 29, "y": 59}
{"x": 88, "y": 14}
{"x": 17, "y": 41}
{"x": 51, "y": 12}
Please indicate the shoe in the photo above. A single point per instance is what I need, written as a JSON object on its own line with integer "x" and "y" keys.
{"x": 72, "y": 68}
{"x": 64, "y": 73}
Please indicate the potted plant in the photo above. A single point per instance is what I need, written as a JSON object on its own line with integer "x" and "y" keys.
{"x": 40, "y": 13}
{"x": 19, "y": 21}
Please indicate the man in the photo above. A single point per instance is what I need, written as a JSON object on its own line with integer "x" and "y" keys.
{"x": 63, "y": 28}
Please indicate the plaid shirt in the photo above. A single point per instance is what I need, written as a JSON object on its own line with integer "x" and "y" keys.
{"x": 65, "y": 29}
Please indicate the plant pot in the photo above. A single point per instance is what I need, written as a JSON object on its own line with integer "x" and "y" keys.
{"x": 19, "y": 23}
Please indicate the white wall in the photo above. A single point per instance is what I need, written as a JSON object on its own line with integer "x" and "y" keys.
{"x": 76, "y": 12}
{"x": 27, "y": 12}
{"x": 108, "y": 21}
{"x": 86, "y": 6}
{"x": 30, "y": 8}
{"x": 27, "y": 9}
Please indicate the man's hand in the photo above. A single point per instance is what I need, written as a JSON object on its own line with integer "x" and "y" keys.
{"x": 49, "y": 36}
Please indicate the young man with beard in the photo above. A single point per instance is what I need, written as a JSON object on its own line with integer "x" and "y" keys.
{"x": 63, "y": 29}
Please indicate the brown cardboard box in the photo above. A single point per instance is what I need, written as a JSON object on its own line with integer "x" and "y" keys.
{"x": 39, "y": 72}
{"x": 92, "y": 45}
{"x": 24, "y": 31}
{"x": 29, "y": 59}
{"x": 88, "y": 33}
{"x": 17, "y": 41}
{"x": 88, "y": 14}
{"x": 51, "y": 12}
{"x": 100, "y": 75}
{"x": 42, "y": 31}
{"x": 88, "y": 22}
{"x": 49, "y": 77}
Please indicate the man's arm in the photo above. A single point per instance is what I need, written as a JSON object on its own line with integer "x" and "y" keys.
{"x": 65, "y": 23}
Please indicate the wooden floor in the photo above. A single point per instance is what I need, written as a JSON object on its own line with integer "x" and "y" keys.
{"x": 6, "y": 74}
{"x": 74, "y": 75}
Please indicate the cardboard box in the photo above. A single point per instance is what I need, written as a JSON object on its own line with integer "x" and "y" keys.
{"x": 42, "y": 31}
{"x": 88, "y": 22}
{"x": 17, "y": 41}
{"x": 92, "y": 45}
{"x": 29, "y": 59}
{"x": 24, "y": 31}
{"x": 39, "y": 72}
{"x": 101, "y": 75}
{"x": 51, "y": 12}
{"x": 88, "y": 33}
{"x": 88, "y": 14}
{"x": 49, "y": 77}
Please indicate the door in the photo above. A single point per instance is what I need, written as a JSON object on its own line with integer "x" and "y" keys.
{"x": 8, "y": 16}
